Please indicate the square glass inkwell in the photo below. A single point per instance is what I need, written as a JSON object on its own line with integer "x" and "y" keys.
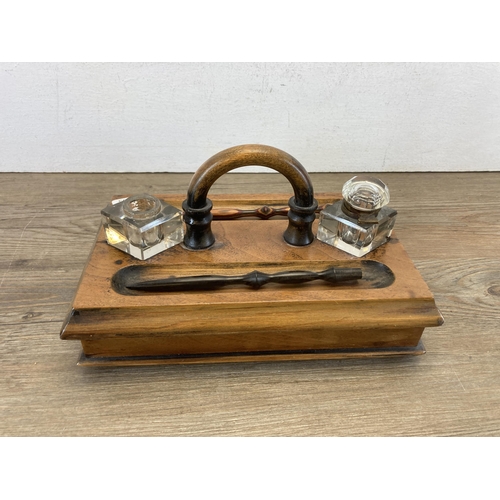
{"x": 142, "y": 225}
{"x": 361, "y": 221}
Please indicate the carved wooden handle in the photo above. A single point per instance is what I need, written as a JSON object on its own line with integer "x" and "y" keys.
{"x": 197, "y": 207}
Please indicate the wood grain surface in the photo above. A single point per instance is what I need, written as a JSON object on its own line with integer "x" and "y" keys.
{"x": 448, "y": 223}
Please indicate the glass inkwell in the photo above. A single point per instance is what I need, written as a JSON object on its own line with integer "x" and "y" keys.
{"x": 142, "y": 225}
{"x": 360, "y": 222}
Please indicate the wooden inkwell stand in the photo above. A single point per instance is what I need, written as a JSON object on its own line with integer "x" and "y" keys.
{"x": 384, "y": 313}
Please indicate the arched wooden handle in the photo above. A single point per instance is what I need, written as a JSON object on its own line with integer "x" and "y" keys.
{"x": 197, "y": 207}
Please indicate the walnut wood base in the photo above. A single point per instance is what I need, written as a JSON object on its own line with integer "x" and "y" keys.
{"x": 238, "y": 357}
{"x": 382, "y": 315}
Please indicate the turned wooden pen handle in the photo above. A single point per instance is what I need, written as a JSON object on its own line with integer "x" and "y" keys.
{"x": 264, "y": 213}
{"x": 197, "y": 207}
{"x": 253, "y": 279}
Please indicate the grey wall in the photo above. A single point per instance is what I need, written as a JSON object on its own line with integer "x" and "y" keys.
{"x": 127, "y": 117}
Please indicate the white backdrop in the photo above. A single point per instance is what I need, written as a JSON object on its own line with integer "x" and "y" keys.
{"x": 133, "y": 117}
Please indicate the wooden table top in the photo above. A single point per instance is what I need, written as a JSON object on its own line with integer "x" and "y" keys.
{"x": 449, "y": 225}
